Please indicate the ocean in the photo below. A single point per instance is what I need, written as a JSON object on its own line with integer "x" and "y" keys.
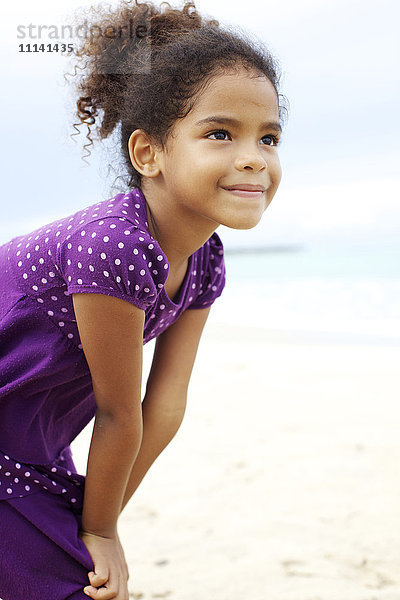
{"x": 351, "y": 296}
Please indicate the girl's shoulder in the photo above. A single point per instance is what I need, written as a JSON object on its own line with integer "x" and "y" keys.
{"x": 104, "y": 248}
{"x": 114, "y": 253}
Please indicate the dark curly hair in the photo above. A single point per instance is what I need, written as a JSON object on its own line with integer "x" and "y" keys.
{"x": 143, "y": 66}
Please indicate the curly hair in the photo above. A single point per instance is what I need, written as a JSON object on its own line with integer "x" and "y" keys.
{"x": 145, "y": 66}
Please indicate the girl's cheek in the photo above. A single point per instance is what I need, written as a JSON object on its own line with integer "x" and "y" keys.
{"x": 275, "y": 170}
{"x": 279, "y": 174}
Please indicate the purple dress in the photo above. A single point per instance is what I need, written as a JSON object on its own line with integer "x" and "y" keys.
{"x": 46, "y": 395}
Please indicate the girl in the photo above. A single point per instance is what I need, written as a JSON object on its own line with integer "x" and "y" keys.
{"x": 199, "y": 115}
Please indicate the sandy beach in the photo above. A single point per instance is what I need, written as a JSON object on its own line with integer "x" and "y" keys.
{"x": 283, "y": 482}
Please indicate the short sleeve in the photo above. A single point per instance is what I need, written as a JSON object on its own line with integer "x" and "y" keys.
{"x": 114, "y": 257}
{"x": 213, "y": 276}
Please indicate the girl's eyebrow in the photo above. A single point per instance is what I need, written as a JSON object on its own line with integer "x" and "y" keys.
{"x": 274, "y": 125}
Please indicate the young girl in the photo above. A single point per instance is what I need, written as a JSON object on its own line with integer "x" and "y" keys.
{"x": 200, "y": 114}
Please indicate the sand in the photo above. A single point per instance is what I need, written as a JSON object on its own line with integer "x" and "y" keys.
{"x": 283, "y": 482}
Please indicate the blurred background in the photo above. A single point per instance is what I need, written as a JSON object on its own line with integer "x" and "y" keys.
{"x": 326, "y": 256}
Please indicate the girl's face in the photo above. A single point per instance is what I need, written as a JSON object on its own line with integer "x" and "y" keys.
{"x": 227, "y": 139}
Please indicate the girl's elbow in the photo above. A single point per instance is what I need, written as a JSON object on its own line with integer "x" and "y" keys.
{"x": 127, "y": 423}
{"x": 172, "y": 420}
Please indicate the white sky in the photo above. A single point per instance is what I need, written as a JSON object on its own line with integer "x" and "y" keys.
{"x": 340, "y": 152}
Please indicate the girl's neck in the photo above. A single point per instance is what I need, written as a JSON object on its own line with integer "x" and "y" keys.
{"x": 178, "y": 233}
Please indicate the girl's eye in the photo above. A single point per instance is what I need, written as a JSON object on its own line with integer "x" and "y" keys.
{"x": 274, "y": 141}
{"x": 222, "y": 132}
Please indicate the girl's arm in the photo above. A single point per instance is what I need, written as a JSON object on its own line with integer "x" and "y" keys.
{"x": 166, "y": 390}
{"x": 111, "y": 332}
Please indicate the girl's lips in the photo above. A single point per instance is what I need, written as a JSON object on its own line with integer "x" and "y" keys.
{"x": 245, "y": 193}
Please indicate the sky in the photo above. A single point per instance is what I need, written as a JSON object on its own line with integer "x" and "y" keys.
{"x": 340, "y": 148}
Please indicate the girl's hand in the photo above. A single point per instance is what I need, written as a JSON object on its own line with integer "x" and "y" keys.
{"x": 110, "y": 576}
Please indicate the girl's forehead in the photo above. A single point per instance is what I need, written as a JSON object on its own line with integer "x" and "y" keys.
{"x": 236, "y": 91}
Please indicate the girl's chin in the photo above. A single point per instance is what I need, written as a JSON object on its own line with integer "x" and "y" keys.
{"x": 243, "y": 222}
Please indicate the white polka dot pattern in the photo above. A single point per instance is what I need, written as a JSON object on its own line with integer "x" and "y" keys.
{"x": 106, "y": 264}
{"x": 18, "y": 479}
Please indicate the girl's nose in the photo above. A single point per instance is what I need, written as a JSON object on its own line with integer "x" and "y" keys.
{"x": 250, "y": 162}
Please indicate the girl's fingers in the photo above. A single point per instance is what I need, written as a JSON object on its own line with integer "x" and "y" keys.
{"x": 109, "y": 591}
{"x": 90, "y": 591}
{"x": 100, "y": 593}
{"x": 99, "y": 577}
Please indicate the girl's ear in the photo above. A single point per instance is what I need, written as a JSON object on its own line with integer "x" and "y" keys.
{"x": 143, "y": 154}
